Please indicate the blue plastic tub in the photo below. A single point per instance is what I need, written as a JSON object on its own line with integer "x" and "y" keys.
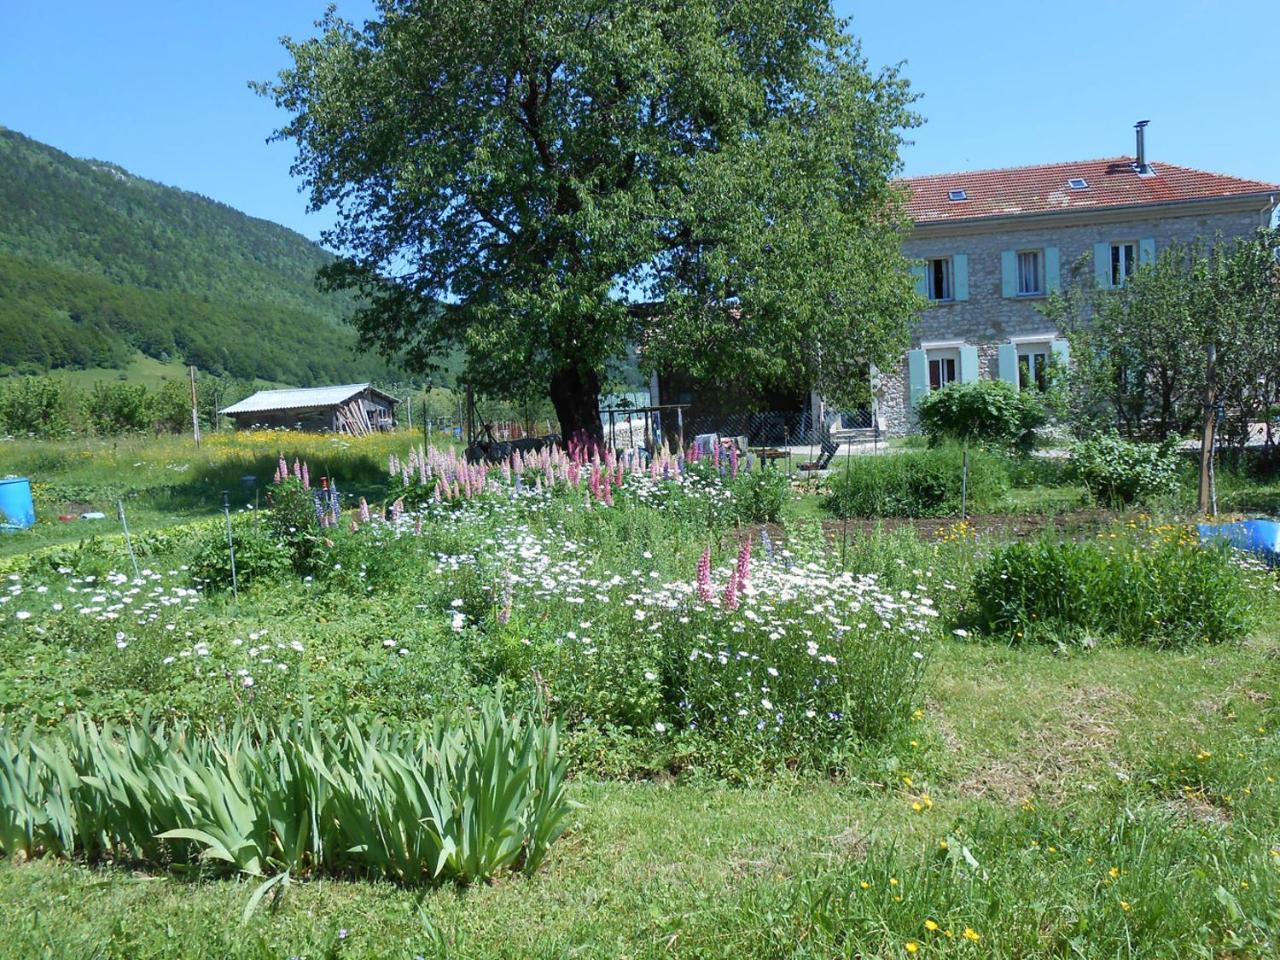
{"x": 1255, "y": 536}
{"x": 17, "y": 510}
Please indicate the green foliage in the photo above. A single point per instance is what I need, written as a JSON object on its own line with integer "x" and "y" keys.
{"x": 258, "y": 556}
{"x": 113, "y": 408}
{"x": 1160, "y": 588}
{"x": 292, "y": 522}
{"x": 1119, "y": 472}
{"x": 759, "y": 495}
{"x": 96, "y": 264}
{"x": 923, "y": 483}
{"x": 292, "y": 797}
{"x": 732, "y": 163}
{"x": 991, "y": 412}
{"x": 34, "y": 407}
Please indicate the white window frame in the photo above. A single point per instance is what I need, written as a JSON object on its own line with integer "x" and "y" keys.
{"x": 950, "y": 276}
{"x": 1027, "y": 352}
{"x": 942, "y": 355}
{"x": 1038, "y": 253}
{"x": 1126, "y": 264}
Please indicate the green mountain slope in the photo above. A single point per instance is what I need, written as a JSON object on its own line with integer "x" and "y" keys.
{"x": 97, "y": 265}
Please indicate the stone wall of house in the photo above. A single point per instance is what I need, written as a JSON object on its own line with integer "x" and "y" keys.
{"x": 988, "y": 318}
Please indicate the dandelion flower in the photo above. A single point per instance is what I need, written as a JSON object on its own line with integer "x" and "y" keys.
{"x": 911, "y": 946}
{"x": 931, "y": 925}
{"x": 972, "y": 935}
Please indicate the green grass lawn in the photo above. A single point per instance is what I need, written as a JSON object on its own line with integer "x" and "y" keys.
{"x": 1051, "y": 770}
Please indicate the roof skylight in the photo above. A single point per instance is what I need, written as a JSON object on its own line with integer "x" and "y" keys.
{"x": 1078, "y": 183}
{"x": 958, "y": 195}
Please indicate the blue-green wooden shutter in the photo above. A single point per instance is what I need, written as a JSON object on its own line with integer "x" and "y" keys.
{"x": 1052, "y": 270}
{"x": 960, "y": 275}
{"x": 917, "y": 375}
{"x": 917, "y": 271}
{"x": 968, "y": 364}
{"x": 1061, "y": 351}
{"x": 1147, "y": 250}
{"x": 1102, "y": 265}
{"x": 1007, "y": 363}
{"x": 1009, "y": 273}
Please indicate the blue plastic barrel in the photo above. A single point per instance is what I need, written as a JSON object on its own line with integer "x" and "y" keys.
{"x": 1261, "y": 537}
{"x": 17, "y": 510}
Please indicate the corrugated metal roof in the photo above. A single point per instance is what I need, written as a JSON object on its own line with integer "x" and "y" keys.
{"x": 265, "y": 401}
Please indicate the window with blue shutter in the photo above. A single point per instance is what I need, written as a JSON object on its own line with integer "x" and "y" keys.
{"x": 1102, "y": 265}
{"x": 968, "y": 364}
{"x": 960, "y": 275}
{"x": 1009, "y": 273}
{"x": 1007, "y": 363}
{"x": 917, "y": 271}
{"x": 1052, "y": 270}
{"x": 1147, "y": 251}
{"x": 1061, "y": 352}
{"x": 917, "y": 375}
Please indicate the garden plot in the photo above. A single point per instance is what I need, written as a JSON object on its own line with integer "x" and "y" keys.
{"x": 776, "y": 747}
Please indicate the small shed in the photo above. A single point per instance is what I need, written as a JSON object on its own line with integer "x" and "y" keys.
{"x": 355, "y": 408}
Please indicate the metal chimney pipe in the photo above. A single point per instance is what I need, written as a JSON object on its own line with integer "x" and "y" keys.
{"x": 1140, "y": 161}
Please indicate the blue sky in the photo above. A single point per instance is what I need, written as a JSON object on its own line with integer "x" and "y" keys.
{"x": 160, "y": 87}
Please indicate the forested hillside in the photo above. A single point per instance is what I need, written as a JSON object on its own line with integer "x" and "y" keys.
{"x": 96, "y": 264}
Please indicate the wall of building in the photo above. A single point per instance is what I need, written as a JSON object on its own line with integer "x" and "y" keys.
{"x": 988, "y": 318}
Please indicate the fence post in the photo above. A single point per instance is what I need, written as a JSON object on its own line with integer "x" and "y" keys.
{"x": 128, "y": 540}
{"x": 964, "y": 483}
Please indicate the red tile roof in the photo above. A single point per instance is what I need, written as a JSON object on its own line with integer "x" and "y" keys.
{"x": 1111, "y": 182}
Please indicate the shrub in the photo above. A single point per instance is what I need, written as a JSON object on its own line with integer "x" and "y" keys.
{"x": 282, "y": 799}
{"x": 990, "y": 412}
{"x": 917, "y": 484}
{"x": 292, "y": 521}
{"x": 259, "y": 556}
{"x": 1119, "y": 472}
{"x": 34, "y": 406}
{"x": 115, "y": 408}
{"x": 1156, "y": 587}
{"x": 759, "y": 495}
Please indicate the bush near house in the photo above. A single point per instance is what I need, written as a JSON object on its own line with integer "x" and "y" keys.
{"x": 990, "y": 412}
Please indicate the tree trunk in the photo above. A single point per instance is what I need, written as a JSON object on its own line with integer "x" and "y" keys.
{"x": 575, "y": 394}
{"x": 1209, "y": 425}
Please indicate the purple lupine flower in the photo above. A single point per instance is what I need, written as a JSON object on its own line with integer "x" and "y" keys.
{"x": 766, "y": 542}
{"x": 335, "y": 501}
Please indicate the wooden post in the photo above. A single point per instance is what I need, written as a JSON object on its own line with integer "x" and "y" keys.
{"x": 195, "y": 409}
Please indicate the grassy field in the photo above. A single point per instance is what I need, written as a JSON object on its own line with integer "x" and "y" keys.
{"x": 1055, "y": 799}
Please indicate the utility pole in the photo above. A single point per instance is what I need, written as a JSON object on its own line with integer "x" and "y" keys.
{"x": 195, "y": 408}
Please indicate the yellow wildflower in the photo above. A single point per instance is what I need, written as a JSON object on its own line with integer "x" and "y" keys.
{"x": 911, "y": 946}
{"x": 931, "y": 925}
{"x": 972, "y": 935}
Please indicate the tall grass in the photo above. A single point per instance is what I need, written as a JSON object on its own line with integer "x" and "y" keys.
{"x": 1156, "y": 587}
{"x": 924, "y": 483}
{"x": 290, "y": 798}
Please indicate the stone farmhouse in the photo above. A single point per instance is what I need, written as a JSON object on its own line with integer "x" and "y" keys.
{"x": 992, "y": 245}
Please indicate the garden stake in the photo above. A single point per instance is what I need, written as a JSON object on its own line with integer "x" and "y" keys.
{"x": 226, "y": 512}
{"x": 964, "y": 483}
{"x": 128, "y": 540}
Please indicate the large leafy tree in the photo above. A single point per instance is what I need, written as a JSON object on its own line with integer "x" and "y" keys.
{"x": 544, "y": 182}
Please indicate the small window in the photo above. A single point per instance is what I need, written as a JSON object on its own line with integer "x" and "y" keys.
{"x": 1078, "y": 183}
{"x": 1033, "y": 367}
{"x": 1124, "y": 258}
{"x": 1030, "y": 274}
{"x": 939, "y": 275}
{"x": 958, "y": 195}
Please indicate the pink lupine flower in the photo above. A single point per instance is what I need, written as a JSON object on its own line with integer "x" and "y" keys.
{"x": 397, "y": 508}
{"x": 730, "y": 598}
{"x": 743, "y": 569}
{"x": 364, "y": 510}
{"x": 297, "y": 469}
{"x": 704, "y": 576}
{"x": 282, "y": 471}
{"x": 306, "y": 477}
{"x": 608, "y": 494}
{"x": 733, "y": 461}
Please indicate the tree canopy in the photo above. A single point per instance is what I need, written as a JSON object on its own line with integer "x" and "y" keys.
{"x": 547, "y": 182}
